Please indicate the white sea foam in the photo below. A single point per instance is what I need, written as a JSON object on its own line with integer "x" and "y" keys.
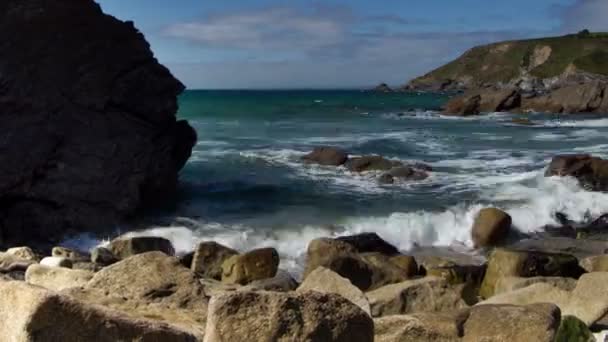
{"x": 577, "y": 123}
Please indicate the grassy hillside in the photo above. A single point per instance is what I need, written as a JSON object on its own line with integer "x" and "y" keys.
{"x": 542, "y": 58}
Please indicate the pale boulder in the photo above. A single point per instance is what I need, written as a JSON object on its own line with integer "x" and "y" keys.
{"x": 56, "y": 262}
{"x": 254, "y": 265}
{"x": 25, "y": 253}
{"x": 421, "y": 327}
{"x": 57, "y": 278}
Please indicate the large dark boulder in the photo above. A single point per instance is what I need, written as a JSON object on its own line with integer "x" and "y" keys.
{"x": 591, "y": 172}
{"x": 89, "y": 133}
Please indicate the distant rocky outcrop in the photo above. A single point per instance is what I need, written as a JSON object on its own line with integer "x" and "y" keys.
{"x": 89, "y": 133}
{"x": 383, "y": 88}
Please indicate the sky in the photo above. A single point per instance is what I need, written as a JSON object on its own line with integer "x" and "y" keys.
{"x": 274, "y": 44}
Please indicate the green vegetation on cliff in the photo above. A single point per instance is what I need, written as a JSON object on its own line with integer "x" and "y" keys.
{"x": 539, "y": 58}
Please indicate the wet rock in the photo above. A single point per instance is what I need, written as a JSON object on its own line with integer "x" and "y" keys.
{"x": 389, "y": 269}
{"x": 470, "y": 276}
{"x": 591, "y": 172}
{"x": 56, "y": 262}
{"x": 10, "y": 263}
{"x": 562, "y": 245}
{"x": 70, "y": 254}
{"x": 254, "y": 265}
{"x": 491, "y": 227}
{"x": 57, "y": 278}
{"x": 403, "y": 173}
{"x": 322, "y": 251}
{"x": 587, "y": 97}
{"x": 208, "y": 259}
{"x": 421, "y": 327}
{"x": 124, "y": 247}
{"x": 369, "y": 242}
{"x": 112, "y": 146}
{"x": 509, "y": 284}
{"x": 326, "y": 281}
{"x": 484, "y": 101}
{"x": 281, "y": 282}
{"x": 103, "y": 256}
{"x": 420, "y": 295}
{"x": 329, "y": 156}
{"x": 31, "y": 313}
{"x": 507, "y": 263}
{"x": 271, "y": 316}
{"x": 353, "y": 268}
{"x": 370, "y": 163}
{"x": 598, "y": 263}
{"x": 507, "y": 323}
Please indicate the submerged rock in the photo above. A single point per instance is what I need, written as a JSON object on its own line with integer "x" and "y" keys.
{"x": 370, "y": 163}
{"x": 329, "y": 156}
{"x": 101, "y": 110}
{"x": 403, "y": 173}
{"x": 271, "y": 316}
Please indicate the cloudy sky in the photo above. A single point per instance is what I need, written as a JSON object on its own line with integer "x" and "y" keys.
{"x": 336, "y": 43}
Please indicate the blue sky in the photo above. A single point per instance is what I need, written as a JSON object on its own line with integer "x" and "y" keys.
{"x": 336, "y": 43}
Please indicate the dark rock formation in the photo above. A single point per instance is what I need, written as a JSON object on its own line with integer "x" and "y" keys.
{"x": 591, "y": 172}
{"x": 383, "y": 88}
{"x": 484, "y": 101}
{"x": 370, "y": 163}
{"x": 329, "y": 156}
{"x": 404, "y": 173}
{"x": 89, "y": 134}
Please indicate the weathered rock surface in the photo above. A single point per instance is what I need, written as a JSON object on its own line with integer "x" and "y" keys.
{"x": 124, "y": 247}
{"x": 592, "y": 172}
{"x": 326, "y": 281}
{"x": 70, "y": 254}
{"x": 150, "y": 285}
{"x": 573, "y": 329}
{"x": 484, "y": 101}
{"x": 10, "y": 262}
{"x": 101, "y": 111}
{"x": 507, "y": 323}
{"x": 329, "y": 156}
{"x": 103, "y": 256}
{"x": 421, "y": 327}
{"x": 281, "y": 282}
{"x": 491, "y": 227}
{"x": 208, "y": 259}
{"x": 254, "y": 265}
{"x": 403, "y": 173}
{"x": 24, "y": 253}
{"x": 508, "y": 284}
{"x": 269, "y": 316}
{"x": 57, "y": 278}
{"x": 598, "y": 263}
{"x": 30, "y": 313}
{"x": 322, "y": 251}
{"x": 420, "y": 295}
{"x": 369, "y": 242}
{"x": 56, "y": 262}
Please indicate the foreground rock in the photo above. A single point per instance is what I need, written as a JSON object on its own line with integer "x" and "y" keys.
{"x": 509, "y": 263}
{"x": 329, "y": 156}
{"x": 421, "y": 295}
{"x": 254, "y": 265}
{"x": 268, "y": 316}
{"x": 422, "y": 327}
{"x": 57, "y": 278}
{"x": 491, "y": 227}
{"x": 506, "y": 323}
{"x": 208, "y": 259}
{"x": 30, "y": 313}
{"x": 112, "y": 145}
{"x": 591, "y": 172}
{"x": 326, "y": 281}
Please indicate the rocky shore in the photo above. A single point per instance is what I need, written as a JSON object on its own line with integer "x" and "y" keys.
{"x": 549, "y": 287}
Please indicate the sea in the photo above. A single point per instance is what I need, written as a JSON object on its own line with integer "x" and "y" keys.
{"x": 245, "y": 186}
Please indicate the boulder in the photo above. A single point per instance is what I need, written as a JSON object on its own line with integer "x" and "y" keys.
{"x": 322, "y": 251}
{"x": 587, "y": 97}
{"x": 591, "y": 172}
{"x": 387, "y": 270}
{"x": 281, "y": 282}
{"x": 112, "y": 146}
{"x": 272, "y": 316}
{"x": 420, "y": 295}
{"x": 370, "y": 163}
{"x": 522, "y": 121}
{"x": 589, "y": 299}
{"x": 56, "y": 262}
{"x": 491, "y": 227}
{"x": 24, "y": 253}
{"x": 70, "y": 254}
{"x": 150, "y": 285}
{"x": 507, "y": 263}
{"x": 103, "y": 256}
{"x": 208, "y": 259}
{"x": 326, "y": 281}
{"x": 10, "y": 262}
{"x": 508, "y": 284}
{"x": 470, "y": 276}
{"x": 57, "y": 278}
{"x": 508, "y": 323}
{"x": 403, "y": 173}
{"x": 30, "y": 313}
{"x": 579, "y": 248}
{"x": 254, "y": 265}
{"x": 598, "y": 263}
{"x": 532, "y": 294}
{"x": 329, "y": 156}
{"x": 369, "y": 242}
{"x": 420, "y": 327}
{"x": 124, "y": 247}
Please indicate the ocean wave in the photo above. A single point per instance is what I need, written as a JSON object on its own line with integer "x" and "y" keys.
{"x": 577, "y": 123}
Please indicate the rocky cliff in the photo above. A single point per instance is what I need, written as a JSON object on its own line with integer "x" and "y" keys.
{"x": 89, "y": 136}
{"x": 531, "y": 65}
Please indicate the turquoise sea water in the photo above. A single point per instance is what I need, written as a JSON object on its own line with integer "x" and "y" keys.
{"x": 245, "y": 186}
